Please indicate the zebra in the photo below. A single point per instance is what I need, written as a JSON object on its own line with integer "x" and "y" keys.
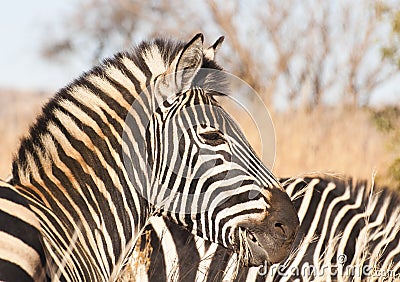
{"x": 347, "y": 231}
{"x": 22, "y": 256}
{"x": 142, "y": 134}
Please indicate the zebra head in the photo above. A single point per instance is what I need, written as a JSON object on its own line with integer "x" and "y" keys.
{"x": 205, "y": 175}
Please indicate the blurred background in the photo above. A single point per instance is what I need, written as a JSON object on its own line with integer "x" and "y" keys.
{"x": 329, "y": 71}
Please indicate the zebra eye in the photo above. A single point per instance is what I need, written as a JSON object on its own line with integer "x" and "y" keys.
{"x": 213, "y": 138}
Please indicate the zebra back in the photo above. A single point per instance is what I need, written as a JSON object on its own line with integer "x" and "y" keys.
{"x": 345, "y": 226}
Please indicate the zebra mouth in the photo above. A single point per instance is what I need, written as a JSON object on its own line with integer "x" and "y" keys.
{"x": 251, "y": 252}
{"x": 252, "y": 237}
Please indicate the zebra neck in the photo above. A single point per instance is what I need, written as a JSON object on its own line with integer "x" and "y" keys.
{"x": 86, "y": 189}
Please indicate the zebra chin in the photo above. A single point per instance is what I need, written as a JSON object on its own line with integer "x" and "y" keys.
{"x": 258, "y": 248}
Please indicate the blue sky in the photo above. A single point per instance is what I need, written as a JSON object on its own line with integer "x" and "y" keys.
{"x": 24, "y": 26}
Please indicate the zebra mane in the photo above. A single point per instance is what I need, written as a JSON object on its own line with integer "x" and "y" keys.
{"x": 161, "y": 52}
{"x": 343, "y": 182}
{"x": 214, "y": 82}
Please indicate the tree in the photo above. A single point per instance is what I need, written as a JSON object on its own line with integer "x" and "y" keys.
{"x": 297, "y": 52}
{"x": 391, "y": 49}
{"x": 387, "y": 120}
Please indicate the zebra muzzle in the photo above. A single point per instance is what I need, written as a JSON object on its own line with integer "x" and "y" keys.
{"x": 269, "y": 239}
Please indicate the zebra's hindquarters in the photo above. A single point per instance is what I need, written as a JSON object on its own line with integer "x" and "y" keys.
{"x": 21, "y": 252}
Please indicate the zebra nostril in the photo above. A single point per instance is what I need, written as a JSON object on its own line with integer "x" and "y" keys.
{"x": 280, "y": 229}
{"x": 284, "y": 220}
{"x": 283, "y": 230}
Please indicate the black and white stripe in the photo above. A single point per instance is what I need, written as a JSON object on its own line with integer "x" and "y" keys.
{"x": 142, "y": 134}
{"x": 21, "y": 253}
{"x": 344, "y": 224}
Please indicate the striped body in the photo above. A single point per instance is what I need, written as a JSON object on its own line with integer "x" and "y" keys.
{"x": 21, "y": 253}
{"x": 139, "y": 135}
{"x": 337, "y": 218}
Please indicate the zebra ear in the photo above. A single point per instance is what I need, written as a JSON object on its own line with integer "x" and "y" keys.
{"x": 189, "y": 62}
{"x": 212, "y": 50}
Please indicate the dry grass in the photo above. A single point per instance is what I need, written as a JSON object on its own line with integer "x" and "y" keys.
{"x": 139, "y": 263}
{"x": 325, "y": 140}
{"x": 18, "y": 110}
{"x": 335, "y": 140}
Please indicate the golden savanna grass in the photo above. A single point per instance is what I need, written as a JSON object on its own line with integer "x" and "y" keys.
{"x": 17, "y": 111}
{"x": 331, "y": 140}
{"x": 334, "y": 140}
{"x": 325, "y": 140}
